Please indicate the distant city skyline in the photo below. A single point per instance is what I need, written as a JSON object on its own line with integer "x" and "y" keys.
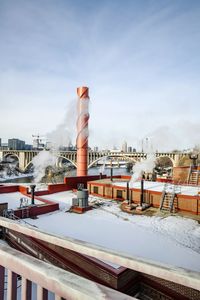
{"x": 140, "y": 60}
{"x": 47, "y": 145}
{"x": 42, "y": 143}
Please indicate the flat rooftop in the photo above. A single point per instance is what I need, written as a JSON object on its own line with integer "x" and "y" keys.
{"x": 171, "y": 240}
{"x": 13, "y": 200}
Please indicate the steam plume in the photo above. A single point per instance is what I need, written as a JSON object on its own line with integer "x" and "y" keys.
{"x": 146, "y": 165}
{"x": 182, "y": 135}
{"x": 41, "y": 162}
{"x": 61, "y": 136}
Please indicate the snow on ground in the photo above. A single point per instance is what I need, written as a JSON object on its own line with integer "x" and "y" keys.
{"x": 13, "y": 199}
{"x": 63, "y": 198}
{"x": 171, "y": 240}
{"x": 159, "y": 186}
{"x": 183, "y": 231}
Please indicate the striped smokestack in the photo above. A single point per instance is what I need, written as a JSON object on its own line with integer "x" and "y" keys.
{"x": 82, "y": 131}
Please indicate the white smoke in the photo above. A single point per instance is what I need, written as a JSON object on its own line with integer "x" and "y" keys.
{"x": 41, "y": 162}
{"x": 182, "y": 135}
{"x": 102, "y": 168}
{"x": 61, "y": 136}
{"x": 145, "y": 166}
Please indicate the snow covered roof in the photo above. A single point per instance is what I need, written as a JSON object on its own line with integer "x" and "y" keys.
{"x": 155, "y": 186}
{"x": 13, "y": 199}
{"x": 171, "y": 240}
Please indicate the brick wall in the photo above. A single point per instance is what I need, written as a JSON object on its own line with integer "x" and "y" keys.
{"x": 72, "y": 182}
{"x": 34, "y": 211}
{"x": 185, "y": 202}
{"x": 9, "y": 189}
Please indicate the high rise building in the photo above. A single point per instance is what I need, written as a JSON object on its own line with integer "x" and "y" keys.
{"x": 130, "y": 149}
{"x": 124, "y": 147}
{"x": 16, "y": 144}
{"x": 28, "y": 147}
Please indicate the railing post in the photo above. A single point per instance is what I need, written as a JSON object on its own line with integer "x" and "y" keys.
{"x": 58, "y": 297}
{"x": 42, "y": 294}
{"x": 12, "y": 286}
{"x": 2, "y": 279}
{"x": 26, "y": 289}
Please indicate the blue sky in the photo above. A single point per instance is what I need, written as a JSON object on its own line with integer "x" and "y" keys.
{"x": 140, "y": 60}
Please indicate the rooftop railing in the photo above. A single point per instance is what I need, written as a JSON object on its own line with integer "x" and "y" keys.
{"x": 63, "y": 284}
{"x": 70, "y": 286}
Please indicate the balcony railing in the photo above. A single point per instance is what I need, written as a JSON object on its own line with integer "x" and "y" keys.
{"x": 67, "y": 285}
{"x": 63, "y": 284}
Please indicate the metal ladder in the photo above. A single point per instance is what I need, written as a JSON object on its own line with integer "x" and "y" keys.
{"x": 171, "y": 204}
{"x": 189, "y": 174}
{"x": 168, "y": 199}
{"x": 163, "y": 195}
{"x": 198, "y": 173}
{"x": 25, "y": 213}
{"x": 193, "y": 177}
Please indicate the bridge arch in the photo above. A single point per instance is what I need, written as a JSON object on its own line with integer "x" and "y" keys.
{"x": 11, "y": 155}
{"x": 14, "y": 156}
{"x": 128, "y": 159}
{"x": 69, "y": 160}
{"x": 59, "y": 156}
{"x": 28, "y": 166}
{"x": 166, "y": 156}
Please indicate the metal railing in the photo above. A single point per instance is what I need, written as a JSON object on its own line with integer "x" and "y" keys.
{"x": 177, "y": 275}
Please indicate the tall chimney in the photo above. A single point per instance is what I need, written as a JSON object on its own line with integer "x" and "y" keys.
{"x": 82, "y": 131}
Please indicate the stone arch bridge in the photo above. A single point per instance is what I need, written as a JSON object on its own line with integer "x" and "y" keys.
{"x": 25, "y": 157}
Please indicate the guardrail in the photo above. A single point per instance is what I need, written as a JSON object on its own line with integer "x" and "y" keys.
{"x": 63, "y": 284}
{"x": 181, "y": 276}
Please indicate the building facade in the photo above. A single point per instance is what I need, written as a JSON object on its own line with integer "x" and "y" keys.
{"x": 16, "y": 144}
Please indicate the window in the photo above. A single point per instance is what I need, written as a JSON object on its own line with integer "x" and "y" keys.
{"x": 95, "y": 190}
{"x": 119, "y": 194}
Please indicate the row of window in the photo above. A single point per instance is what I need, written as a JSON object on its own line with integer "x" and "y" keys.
{"x": 119, "y": 192}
